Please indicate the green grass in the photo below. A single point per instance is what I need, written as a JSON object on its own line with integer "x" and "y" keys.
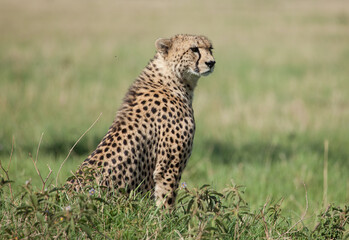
{"x": 200, "y": 214}
{"x": 279, "y": 91}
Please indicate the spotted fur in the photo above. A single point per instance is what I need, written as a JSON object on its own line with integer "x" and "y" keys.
{"x": 150, "y": 141}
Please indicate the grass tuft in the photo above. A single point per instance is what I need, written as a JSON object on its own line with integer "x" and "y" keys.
{"x": 201, "y": 213}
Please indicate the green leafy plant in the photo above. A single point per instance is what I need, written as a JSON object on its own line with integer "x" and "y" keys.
{"x": 332, "y": 223}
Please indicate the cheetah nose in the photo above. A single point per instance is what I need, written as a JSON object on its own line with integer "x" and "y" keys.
{"x": 210, "y": 64}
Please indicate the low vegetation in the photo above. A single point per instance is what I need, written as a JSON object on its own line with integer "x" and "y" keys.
{"x": 203, "y": 213}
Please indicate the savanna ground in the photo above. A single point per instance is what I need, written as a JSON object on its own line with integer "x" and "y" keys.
{"x": 273, "y": 117}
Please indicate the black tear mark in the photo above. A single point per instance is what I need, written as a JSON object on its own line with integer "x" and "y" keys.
{"x": 197, "y": 62}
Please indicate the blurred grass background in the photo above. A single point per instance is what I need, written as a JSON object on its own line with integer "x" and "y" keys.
{"x": 279, "y": 90}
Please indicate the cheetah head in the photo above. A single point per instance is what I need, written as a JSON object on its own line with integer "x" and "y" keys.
{"x": 189, "y": 56}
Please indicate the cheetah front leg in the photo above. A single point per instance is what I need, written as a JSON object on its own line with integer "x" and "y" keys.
{"x": 166, "y": 177}
{"x": 165, "y": 191}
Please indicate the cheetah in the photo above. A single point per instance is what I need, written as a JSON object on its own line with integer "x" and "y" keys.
{"x": 150, "y": 141}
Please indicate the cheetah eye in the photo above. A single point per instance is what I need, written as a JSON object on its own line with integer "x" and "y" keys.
{"x": 195, "y": 49}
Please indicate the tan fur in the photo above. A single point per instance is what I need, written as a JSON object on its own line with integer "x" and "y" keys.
{"x": 150, "y": 141}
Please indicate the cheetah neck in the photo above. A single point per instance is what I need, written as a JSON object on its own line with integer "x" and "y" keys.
{"x": 161, "y": 73}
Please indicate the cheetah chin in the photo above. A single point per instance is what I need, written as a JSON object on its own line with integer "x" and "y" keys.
{"x": 208, "y": 72}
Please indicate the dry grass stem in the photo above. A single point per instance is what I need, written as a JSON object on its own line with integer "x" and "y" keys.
{"x": 36, "y": 167}
{"x": 70, "y": 151}
{"x": 302, "y": 217}
{"x": 266, "y": 230}
{"x": 179, "y": 234}
{"x": 8, "y": 168}
{"x": 325, "y": 173}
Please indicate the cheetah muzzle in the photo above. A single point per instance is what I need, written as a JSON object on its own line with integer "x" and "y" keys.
{"x": 150, "y": 141}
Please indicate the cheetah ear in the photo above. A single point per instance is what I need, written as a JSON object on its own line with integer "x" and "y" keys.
{"x": 163, "y": 45}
